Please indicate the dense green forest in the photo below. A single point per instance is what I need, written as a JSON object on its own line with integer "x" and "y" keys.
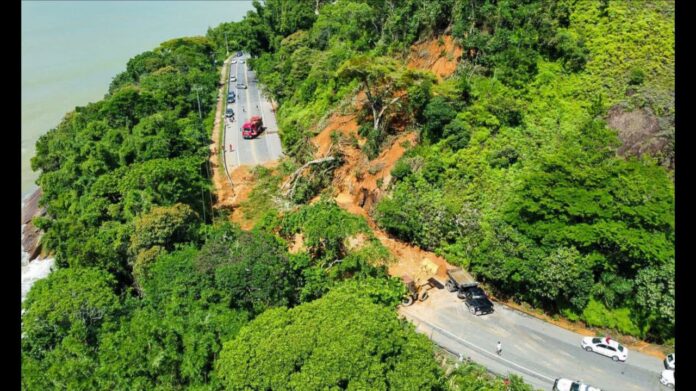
{"x": 516, "y": 177}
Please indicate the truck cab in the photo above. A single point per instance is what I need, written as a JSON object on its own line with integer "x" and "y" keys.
{"x": 252, "y": 128}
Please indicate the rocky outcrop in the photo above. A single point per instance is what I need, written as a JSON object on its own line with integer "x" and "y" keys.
{"x": 31, "y": 236}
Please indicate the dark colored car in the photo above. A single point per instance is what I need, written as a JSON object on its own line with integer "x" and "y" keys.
{"x": 229, "y": 113}
{"x": 476, "y": 300}
{"x": 239, "y": 54}
{"x": 230, "y": 99}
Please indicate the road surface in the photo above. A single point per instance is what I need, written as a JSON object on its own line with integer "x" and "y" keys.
{"x": 538, "y": 351}
{"x": 249, "y": 102}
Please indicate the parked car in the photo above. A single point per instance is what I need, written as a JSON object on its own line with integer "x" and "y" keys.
{"x": 572, "y": 385}
{"x": 667, "y": 378}
{"x": 669, "y": 361}
{"x": 241, "y": 61}
{"x": 239, "y": 54}
{"x": 604, "y": 346}
{"x": 229, "y": 113}
{"x": 233, "y": 78}
{"x": 476, "y": 300}
{"x": 233, "y": 62}
{"x": 230, "y": 99}
{"x": 242, "y": 86}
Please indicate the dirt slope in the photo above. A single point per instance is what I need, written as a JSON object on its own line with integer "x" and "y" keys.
{"x": 439, "y": 55}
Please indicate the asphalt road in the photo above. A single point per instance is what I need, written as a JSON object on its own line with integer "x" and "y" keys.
{"x": 538, "y": 351}
{"x": 250, "y": 101}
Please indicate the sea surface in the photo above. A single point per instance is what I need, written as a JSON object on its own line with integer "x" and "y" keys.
{"x": 71, "y": 50}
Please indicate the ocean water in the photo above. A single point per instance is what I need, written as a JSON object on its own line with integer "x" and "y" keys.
{"x": 71, "y": 50}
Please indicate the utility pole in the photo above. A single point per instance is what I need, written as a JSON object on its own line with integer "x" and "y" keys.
{"x": 196, "y": 88}
{"x": 227, "y": 46}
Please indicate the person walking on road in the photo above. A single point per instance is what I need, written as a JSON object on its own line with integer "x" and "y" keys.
{"x": 499, "y": 348}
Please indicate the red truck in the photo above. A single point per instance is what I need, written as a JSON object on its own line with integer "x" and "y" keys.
{"x": 252, "y": 128}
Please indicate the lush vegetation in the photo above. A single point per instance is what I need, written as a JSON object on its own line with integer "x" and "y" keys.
{"x": 516, "y": 177}
{"x": 521, "y": 182}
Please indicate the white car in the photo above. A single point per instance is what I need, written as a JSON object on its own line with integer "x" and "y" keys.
{"x": 667, "y": 378}
{"x": 572, "y": 385}
{"x": 609, "y": 348}
{"x": 233, "y": 62}
{"x": 241, "y": 61}
{"x": 233, "y": 78}
{"x": 669, "y": 361}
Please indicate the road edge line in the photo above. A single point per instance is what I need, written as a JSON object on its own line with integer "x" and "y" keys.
{"x": 481, "y": 350}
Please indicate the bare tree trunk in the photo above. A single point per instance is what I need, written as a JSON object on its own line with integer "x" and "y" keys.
{"x": 296, "y": 174}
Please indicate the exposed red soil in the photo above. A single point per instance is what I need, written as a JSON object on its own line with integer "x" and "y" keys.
{"x": 441, "y": 59}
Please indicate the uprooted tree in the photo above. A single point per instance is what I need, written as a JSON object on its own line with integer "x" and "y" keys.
{"x": 384, "y": 81}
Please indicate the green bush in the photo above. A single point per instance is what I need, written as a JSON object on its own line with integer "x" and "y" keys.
{"x": 636, "y": 77}
{"x": 401, "y": 170}
{"x": 597, "y": 315}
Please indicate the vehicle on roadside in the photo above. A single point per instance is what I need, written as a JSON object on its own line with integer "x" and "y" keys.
{"x": 233, "y": 78}
{"x": 572, "y": 385}
{"x": 417, "y": 289}
{"x": 229, "y": 113}
{"x": 667, "y": 378}
{"x": 239, "y": 54}
{"x": 230, "y": 99}
{"x": 606, "y": 347}
{"x": 242, "y": 86}
{"x": 241, "y": 61}
{"x": 669, "y": 361}
{"x": 252, "y": 128}
{"x": 458, "y": 279}
{"x": 476, "y": 300}
{"x": 233, "y": 62}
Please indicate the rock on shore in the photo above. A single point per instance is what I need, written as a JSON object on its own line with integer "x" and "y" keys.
{"x": 30, "y": 234}
{"x": 32, "y": 269}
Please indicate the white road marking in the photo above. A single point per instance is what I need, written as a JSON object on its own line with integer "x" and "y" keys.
{"x": 236, "y": 102}
{"x": 263, "y": 119}
{"x": 246, "y": 94}
{"x": 480, "y": 349}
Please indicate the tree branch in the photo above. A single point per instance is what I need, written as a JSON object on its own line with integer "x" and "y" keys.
{"x": 296, "y": 174}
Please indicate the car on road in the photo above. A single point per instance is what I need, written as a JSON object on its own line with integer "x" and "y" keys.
{"x": 669, "y": 361}
{"x": 572, "y": 385}
{"x": 230, "y": 98}
{"x": 233, "y": 62}
{"x": 242, "y": 86}
{"x": 241, "y": 61}
{"x": 476, "y": 300}
{"x": 606, "y": 347}
{"x": 239, "y": 54}
{"x": 229, "y": 113}
{"x": 667, "y": 378}
{"x": 233, "y": 78}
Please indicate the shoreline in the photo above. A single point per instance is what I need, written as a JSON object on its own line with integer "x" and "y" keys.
{"x": 33, "y": 266}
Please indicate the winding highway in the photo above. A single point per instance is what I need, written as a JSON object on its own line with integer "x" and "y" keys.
{"x": 536, "y": 350}
{"x": 250, "y": 101}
